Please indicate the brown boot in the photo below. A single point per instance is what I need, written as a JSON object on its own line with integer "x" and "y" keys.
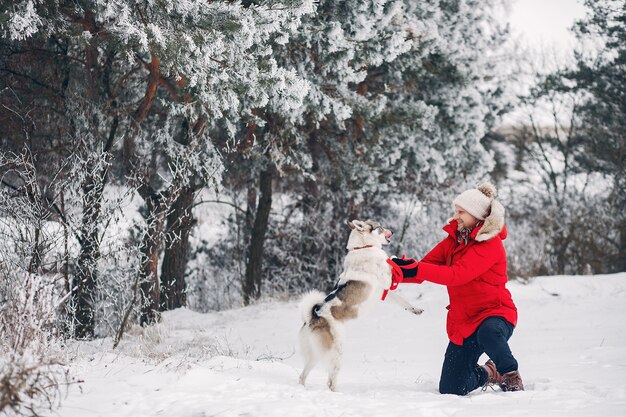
{"x": 511, "y": 381}
{"x": 492, "y": 373}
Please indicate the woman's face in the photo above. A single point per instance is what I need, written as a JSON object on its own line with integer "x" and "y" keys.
{"x": 463, "y": 218}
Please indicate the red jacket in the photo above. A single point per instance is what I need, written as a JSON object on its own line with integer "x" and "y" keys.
{"x": 475, "y": 275}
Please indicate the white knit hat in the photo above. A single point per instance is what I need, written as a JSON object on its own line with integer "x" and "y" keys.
{"x": 477, "y": 201}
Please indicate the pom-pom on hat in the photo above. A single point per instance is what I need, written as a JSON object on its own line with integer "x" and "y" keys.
{"x": 477, "y": 201}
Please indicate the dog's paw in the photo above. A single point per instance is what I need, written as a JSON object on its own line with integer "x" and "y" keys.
{"x": 416, "y": 311}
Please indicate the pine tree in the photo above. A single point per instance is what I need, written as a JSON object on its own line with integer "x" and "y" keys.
{"x": 398, "y": 105}
{"x": 156, "y": 77}
{"x": 604, "y": 111}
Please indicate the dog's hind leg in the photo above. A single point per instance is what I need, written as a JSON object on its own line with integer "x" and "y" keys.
{"x": 334, "y": 366}
{"x": 310, "y": 357}
{"x": 310, "y": 363}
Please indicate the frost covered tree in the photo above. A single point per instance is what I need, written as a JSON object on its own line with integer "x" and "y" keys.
{"x": 306, "y": 113}
{"x": 56, "y": 118}
{"x": 397, "y": 94}
{"x": 31, "y": 262}
{"x": 552, "y": 190}
{"x": 220, "y": 67}
{"x": 570, "y": 165}
{"x": 444, "y": 94}
{"x": 151, "y": 77}
{"x": 443, "y": 97}
{"x": 331, "y": 51}
{"x": 421, "y": 124}
{"x": 603, "y": 112}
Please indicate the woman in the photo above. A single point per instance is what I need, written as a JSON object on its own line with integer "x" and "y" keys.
{"x": 471, "y": 262}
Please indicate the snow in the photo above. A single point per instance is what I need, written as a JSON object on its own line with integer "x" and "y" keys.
{"x": 24, "y": 23}
{"x": 570, "y": 343}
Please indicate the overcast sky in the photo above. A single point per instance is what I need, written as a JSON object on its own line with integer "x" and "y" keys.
{"x": 541, "y": 28}
{"x": 545, "y": 22}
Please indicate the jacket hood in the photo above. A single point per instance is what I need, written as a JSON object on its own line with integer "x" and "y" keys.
{"x": 492, "y": 226}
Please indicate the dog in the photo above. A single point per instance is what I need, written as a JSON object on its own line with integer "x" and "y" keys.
{"x": 365, "y": 277}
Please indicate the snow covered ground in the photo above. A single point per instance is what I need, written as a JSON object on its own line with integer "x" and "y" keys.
{"x": 570, "y": 343}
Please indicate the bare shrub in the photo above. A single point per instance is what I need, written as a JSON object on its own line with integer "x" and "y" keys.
{"x": 32, "y": 379}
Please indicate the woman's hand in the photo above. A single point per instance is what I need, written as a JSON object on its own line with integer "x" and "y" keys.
{"x": 403, "y": 267}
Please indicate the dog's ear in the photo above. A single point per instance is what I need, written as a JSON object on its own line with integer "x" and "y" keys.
{"x": 358, "y": 225}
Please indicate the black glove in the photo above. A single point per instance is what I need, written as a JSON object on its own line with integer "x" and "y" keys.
{"x": 407, "y": 266}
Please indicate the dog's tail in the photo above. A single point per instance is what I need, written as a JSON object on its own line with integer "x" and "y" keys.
{"x": 309, "y": 302}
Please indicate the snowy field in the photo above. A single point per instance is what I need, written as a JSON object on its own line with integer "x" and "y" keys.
{"x": 570, "y": 343}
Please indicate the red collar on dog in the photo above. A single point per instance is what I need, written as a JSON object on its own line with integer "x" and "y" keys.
{"x": 363, "y": 247}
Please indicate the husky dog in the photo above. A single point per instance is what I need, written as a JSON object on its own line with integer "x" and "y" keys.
{"x": 365, "y": 277}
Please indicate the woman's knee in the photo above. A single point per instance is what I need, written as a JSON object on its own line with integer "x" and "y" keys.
{"x": 455, "y": 387}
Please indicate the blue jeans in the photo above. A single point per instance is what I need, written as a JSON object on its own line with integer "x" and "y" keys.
{"x": 461, "y": 373}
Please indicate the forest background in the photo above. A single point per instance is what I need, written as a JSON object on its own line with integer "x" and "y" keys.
{"x": 158, "y": 154}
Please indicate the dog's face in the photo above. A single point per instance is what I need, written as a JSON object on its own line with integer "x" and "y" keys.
{"x": 366, "y": 233}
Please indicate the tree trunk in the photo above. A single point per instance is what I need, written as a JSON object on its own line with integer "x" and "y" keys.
{"x": 620, "y": 265}
{"x": 252, "y": 280}
{"x": 620, "y": 203}
{"x": 179, "y": 224}
{"x": 149, "y": 287}
{"x": 86, "y": 274}
{"x": 35, "y": 259}
{"x": 86, "y": 277}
